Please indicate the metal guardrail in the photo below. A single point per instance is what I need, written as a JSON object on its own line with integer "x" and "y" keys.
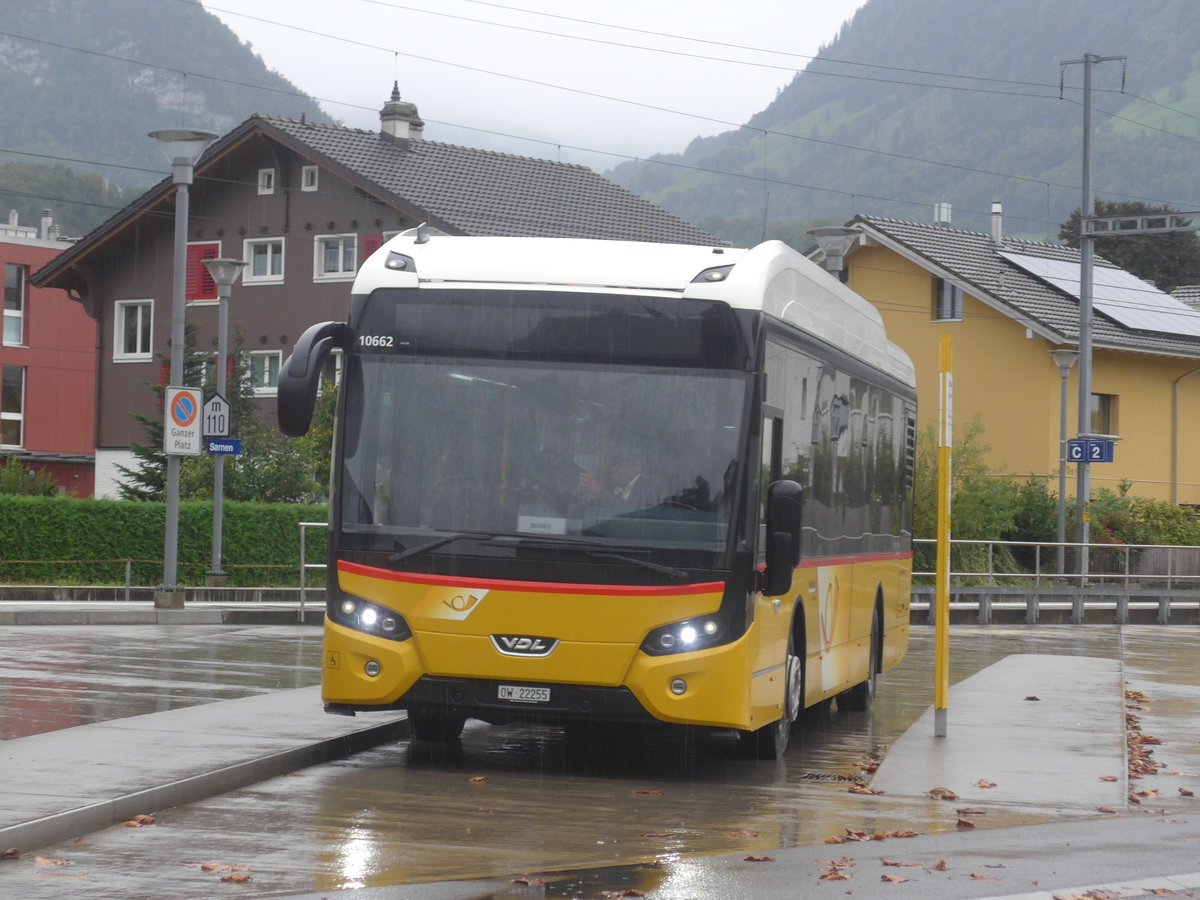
{"x": 1130, "y": 566}
{"x": 305, "y": 565}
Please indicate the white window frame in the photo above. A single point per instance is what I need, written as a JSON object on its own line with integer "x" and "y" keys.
{"x": 267, "y": 390}
{"x": 266, "y": 181}
{"x": 18, "y": 415}
{"x": 947, "y": 301}
{"x": 15, "y": 315}
{"x": 248, "y": 245}
{"x": 145, "y": 327}
{"x": 319, "y": 242}
{"x": 309, "y": 177}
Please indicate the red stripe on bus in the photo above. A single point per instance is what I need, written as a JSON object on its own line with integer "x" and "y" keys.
{"x": 848, "y": 560}
{"x": 544, "y": 587}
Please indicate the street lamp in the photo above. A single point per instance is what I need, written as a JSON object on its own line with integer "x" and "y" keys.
{"x": 224, "y": 272}
{"x": 835, "y": 242}
{"x": 1064, "y": 359}
{"x": 182, "y": 147}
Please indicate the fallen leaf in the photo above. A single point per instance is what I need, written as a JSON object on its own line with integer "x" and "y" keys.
{"x": 478, "y": 779}
{"x": 743, "y": 834}
{"x": 834, "y": 876}
{"x": 979, "y": 877}
{"x": 984, "y": 783}
{"x": 1171, "y": 822}
{"x": 237, "y": 879}
{"x": 859, "y": 788}
{"x": 940, "y": 866}
{"x": 1031, "y": 697}
{"x": 1186, "y": 793}
{"x": 649, "y": 793}
{"x": 894, "y": 879}
{"x": 222, "y": 867}
{"x": 941, "y": 793}
{"x": 964, "y": 824}
{"x": 1109, "y": 778}
{"x": 1186, "y": 774}
{"x": 529, "y": 882}
{"x": 1147, "y": 795}
{"x": 758, "y": 859}
{"x": 967, "y": 811}
{"x": 43, "y": 861}
{"x": 1105, "y": 809}
{"x": 628, "y": 892}
{"x": 897, "y": 864}
{"x": 11, "y": 853}
{"x": 1167, "y": 892}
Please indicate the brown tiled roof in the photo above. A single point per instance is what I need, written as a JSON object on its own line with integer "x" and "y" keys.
{"x": 481, "y": 192}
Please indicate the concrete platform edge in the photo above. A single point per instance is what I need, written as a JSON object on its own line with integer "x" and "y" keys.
{"x": 72, "y": 823}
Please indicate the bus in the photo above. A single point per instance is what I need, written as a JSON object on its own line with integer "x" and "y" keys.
{"x": 587, "y": 481}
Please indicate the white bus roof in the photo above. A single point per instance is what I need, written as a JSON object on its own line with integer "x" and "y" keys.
{"x": 771, "y": 277}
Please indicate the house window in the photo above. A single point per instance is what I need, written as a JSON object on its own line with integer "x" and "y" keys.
{"x": 947, "y": 301}
{"x": 266, "y": 181}
{"x": 132, "y": 330}
{"x": 335, "y": 257}
{"x": 308, "y": 178}
{"x": 15, "y": 292}
{"x": 200, "y": 286}
{"x": 1103, "y": 414}
{"x": 264, "y": 371}
{"x": 264, "y": 258}
{"x": 12, "y": 406}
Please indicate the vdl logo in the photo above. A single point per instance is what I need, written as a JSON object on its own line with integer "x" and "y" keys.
{"x": 523, "y": 645}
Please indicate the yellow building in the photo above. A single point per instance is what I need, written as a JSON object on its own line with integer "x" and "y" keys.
{"x": 931, "y": 280}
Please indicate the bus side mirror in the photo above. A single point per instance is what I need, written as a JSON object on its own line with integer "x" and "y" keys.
{"x": 785, "y": 503}
{"x": 300, "y": 375}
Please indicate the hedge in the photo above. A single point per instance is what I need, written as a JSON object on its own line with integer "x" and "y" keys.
{"x": 68, "y": 541}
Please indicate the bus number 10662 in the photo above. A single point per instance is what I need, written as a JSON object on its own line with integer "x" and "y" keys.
{"x": 376, "y": 340}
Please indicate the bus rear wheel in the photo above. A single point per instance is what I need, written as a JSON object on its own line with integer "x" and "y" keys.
{"x": 860, "y": 697}
{"x": 435, "y": 727}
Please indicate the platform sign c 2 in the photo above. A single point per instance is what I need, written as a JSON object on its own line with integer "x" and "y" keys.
{"x": 181, "y": 429}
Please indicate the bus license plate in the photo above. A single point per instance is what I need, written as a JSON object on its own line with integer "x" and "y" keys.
{"x": 518, "y": 694}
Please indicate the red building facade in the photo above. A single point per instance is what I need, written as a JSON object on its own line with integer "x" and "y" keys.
{"x": 47, "y": 366}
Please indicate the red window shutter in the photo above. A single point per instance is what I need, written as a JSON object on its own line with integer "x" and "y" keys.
{"x": 200, "y": 285}
{"x": 370, "y": 243}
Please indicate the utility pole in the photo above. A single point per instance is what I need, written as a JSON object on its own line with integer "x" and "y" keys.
{"x": 1083, "y": 488}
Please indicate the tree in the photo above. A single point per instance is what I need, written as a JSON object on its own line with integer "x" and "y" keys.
{"x": 269, "y": 469}
{"x": 1166, "y": 260}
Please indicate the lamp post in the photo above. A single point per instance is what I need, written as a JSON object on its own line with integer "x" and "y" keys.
{"x": 835, "y": 242}
{"x": 182, "y": 146}
{"x": 1064, "y": 359}
{"x": 224, "y": 272}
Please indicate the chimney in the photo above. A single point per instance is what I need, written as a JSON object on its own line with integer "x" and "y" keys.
{"x": 399, "y": 121}
{"x": 47, "y": 220}
{"x": 997, "y": 223}
{"x": 13, "y": 218}
{"x": 941, "y": 214}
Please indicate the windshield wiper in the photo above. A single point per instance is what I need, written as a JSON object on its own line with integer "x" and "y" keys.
{"x": 428, "y": 545}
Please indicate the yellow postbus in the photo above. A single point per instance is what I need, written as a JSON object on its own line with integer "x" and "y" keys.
{"x": 590, "y": 482}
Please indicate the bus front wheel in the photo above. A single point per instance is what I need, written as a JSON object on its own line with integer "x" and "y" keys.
{"x": 770, "y": 741}
{"x": 438, "y": 727}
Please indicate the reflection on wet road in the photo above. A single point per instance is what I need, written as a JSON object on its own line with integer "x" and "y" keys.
{"x": 54, "y": 677}
{"x": 521, "y": 799}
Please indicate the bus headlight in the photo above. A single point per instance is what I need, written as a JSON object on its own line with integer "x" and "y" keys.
{"x": 362, "y": 615}
{"x": 686, "y": 636}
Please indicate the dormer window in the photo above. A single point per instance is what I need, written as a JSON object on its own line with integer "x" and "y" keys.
{"x": 308, "y": 178}
{"x": 947, "y": 301}
{"x": 266, "y": 181}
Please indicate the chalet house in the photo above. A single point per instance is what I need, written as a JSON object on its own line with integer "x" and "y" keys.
{"x": 47, "y": 361}
{"x": 1006, "y": 303}
{"x": 303, "y": 204}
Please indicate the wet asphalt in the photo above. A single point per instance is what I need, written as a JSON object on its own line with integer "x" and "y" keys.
{"x": 671, "y": 815}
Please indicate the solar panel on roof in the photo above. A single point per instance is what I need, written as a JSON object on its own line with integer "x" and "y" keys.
{"x": 1119, "y": 295}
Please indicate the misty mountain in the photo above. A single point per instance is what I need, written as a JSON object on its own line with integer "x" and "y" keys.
{"x": 923, "y": 101}
{"x": 82, "y": 82}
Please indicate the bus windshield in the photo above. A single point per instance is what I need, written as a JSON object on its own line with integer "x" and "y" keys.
{"x": 605, "y": 454}
{"x": 511, "y": 413}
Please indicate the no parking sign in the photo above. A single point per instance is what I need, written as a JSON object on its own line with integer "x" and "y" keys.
{"x": 181, "y": 430}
